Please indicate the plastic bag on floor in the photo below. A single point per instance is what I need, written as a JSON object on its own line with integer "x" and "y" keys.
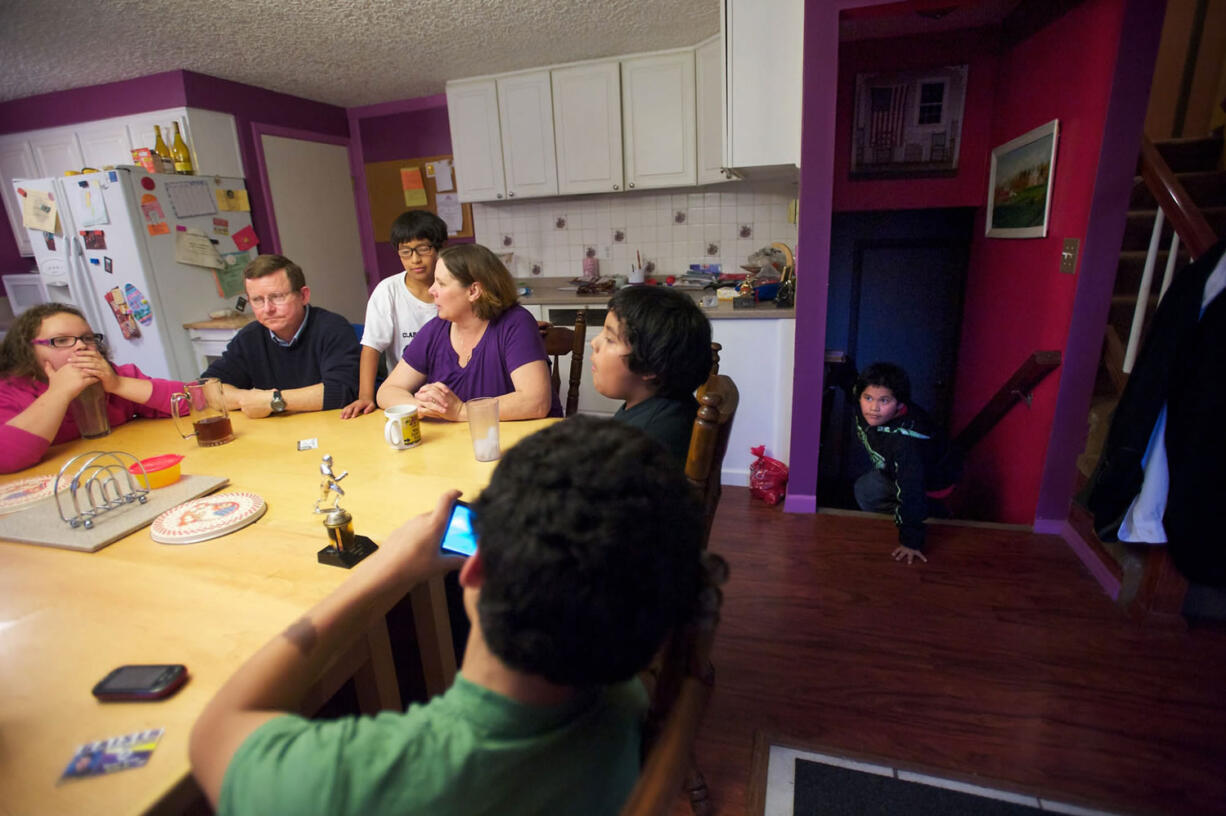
{"x": 768, "y": 478}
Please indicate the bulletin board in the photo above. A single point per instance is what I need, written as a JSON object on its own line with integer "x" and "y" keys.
{"x": 385, "y": 190}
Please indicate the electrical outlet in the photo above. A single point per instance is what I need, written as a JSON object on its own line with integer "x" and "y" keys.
{"x": 1068, "y": 256}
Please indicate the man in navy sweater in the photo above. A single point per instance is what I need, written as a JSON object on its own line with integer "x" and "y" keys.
{"x": 295, "y": 357}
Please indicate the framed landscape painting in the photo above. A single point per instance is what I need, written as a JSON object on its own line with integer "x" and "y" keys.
{"x": 1019, "y": 188}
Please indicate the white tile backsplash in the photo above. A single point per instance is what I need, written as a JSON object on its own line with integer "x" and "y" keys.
{"x": 650, "y": 224}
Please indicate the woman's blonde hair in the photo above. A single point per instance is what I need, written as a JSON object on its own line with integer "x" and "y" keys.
{"x": 473, "y": 263}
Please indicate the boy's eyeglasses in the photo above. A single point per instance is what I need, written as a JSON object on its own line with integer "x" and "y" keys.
{"x": 276, "y": 299}
{"x": 424, "y": 251}
{"x": 68, "y": 341}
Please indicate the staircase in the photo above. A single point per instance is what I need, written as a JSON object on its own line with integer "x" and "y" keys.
{"x": 1195, "y": 164}
{"x": 1151, "y": 589}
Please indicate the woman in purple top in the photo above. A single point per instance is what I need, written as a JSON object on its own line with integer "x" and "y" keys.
{"x": 482, "y": 344}
{"x": 49, "y": 356}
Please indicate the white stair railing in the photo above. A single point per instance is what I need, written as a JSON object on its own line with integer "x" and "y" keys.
{"x": 1147, "y": 278}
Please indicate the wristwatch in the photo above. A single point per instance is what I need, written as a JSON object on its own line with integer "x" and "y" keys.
{"x": 278, "y": 401}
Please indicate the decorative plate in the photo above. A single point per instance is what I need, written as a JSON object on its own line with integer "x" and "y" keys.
{"x": 207, "y": 517}
{"x": 24, "y": 492}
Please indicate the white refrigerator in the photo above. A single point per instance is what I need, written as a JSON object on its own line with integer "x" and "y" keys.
{"x": 141, "y": 254}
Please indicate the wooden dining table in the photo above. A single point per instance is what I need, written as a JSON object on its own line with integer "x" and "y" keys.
{"x": 67, "y": 618}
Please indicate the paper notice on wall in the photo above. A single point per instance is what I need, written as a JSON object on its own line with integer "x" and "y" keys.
{"x": 450, "y": 210}
{"x": 87, "y": 205}
{"x": 414, "y": 187}
{"x": 191, "y": 198}
{"x": 442, "y": 176}
{"x": 230, "y": 277}
{"x": 194, "y": 247}
{"x": 38, "y": 211}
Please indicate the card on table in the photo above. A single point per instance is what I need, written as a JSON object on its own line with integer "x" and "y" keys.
{"x": 111, "y": 755}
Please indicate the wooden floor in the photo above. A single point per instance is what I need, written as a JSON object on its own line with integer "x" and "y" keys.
{"x": 999, "y": 659}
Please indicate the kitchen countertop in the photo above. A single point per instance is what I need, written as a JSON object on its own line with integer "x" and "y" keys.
{"x": 555, "y": 292}
{"x": 232, "y": 322}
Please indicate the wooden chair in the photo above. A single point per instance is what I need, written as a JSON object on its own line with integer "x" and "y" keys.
{"x": 680, "y": 681}
{"x": 560, "y": 341}
{"x": 717, "y": 403}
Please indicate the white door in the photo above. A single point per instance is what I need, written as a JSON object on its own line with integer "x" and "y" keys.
{"x": 317, "y": 222}
{"x": 587, "y": 123}
{"x": 472, "y": 112}
{"x": 525, "y": 110}
{"x": 658, "y": 111}
{"x": 16, "y": 161}
{"x": 709, "y": 96}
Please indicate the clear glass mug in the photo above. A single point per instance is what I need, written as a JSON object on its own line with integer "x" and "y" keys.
{"x": 206, "y": 411}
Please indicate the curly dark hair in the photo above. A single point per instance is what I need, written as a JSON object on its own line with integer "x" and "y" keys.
{"x": 469, "y": 263}
{"x": 885, "y": 375}
{"x": 668, "y": 335}
{"x": 17, "y": 352}
{"x": 591, "y": 541}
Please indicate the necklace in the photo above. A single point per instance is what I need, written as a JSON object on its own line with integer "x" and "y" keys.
{"x": 463, "y": 350}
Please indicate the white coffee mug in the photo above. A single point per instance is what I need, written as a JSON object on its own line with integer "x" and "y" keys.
{"x": 403, "y": 429}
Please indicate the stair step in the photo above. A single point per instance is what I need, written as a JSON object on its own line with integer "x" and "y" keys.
{"x": 1120, "y": 314}
{"x": 1207, "y": 188}
{"x": 1195, "y": 153}
{"x": 1140, "y": 225}
{"x": 1132, "y": 266}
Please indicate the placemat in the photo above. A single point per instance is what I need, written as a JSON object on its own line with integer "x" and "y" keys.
{"x": 41, "y": 523}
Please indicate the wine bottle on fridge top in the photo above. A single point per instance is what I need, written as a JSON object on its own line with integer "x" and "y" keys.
{"x": 182, "y": 156}
{"x": 165, "y": 160}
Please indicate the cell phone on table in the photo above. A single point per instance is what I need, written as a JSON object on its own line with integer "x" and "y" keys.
{"x": 459, "y": 537}
{"x": 141, "y": 682}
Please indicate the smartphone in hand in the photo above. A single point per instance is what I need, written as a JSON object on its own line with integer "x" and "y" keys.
{"x": 459, "y": 537}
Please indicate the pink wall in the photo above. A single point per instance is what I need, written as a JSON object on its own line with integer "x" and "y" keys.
{"x": 977, "y": 48}
{"x": 1017, "y": 300}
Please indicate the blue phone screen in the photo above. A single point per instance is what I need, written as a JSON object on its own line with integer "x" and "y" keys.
{"x": 460, "y": 537}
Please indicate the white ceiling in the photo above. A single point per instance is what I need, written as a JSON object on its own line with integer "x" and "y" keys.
{"x": 344, "y": 52}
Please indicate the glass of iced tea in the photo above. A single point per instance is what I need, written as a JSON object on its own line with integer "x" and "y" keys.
{"x": 206, "y": 411}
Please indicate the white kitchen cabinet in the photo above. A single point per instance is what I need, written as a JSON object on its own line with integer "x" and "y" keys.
{"x": 56, "y": 151}
{"x": 472, "y": 113}
{"x": 587, "y": 127}
{"x": 764, "y": 44}
{"x": 525, "y": 112}
{"x": 104, "y": 143}
{"x": 709, "y": 98}
{"x": 16, "y": 161}
{"x": 658, "y": 120}
{"x": 211, "y": 138}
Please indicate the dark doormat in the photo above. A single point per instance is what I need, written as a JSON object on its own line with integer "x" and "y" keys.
{"x": 824, "y": 790}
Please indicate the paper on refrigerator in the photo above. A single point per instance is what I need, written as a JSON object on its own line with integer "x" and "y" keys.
{"x": 194, "y": 247}
{"x": 38, "y": 211}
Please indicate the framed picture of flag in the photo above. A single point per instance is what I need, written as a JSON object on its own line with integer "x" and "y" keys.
{"x": 1019, "y": 186}
{"x": 908, "y": 123}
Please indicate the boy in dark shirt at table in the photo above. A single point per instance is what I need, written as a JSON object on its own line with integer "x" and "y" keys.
{"x": 911, "y": 460}
{"x": 653, "y": 352}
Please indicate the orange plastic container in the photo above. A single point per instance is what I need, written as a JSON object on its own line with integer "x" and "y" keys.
{"x": 163, "y": 470}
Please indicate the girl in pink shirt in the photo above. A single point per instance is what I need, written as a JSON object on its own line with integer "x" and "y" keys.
{"x": 49, "y": 356}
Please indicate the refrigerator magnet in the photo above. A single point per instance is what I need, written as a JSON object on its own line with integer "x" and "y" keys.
{"x": 123, "y": 314}
{"x": 245, "y": 239}
{"x": 221, "y": 226}
{"x": 138, "y": 304}
{"x": 155, "y": 217}
{"x": 94, "y": 239}
{"x": 49, "y": 238}
{"x": 108, "y": 265}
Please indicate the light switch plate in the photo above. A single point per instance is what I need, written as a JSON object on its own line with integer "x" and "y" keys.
{"x": 1068, "y": 256}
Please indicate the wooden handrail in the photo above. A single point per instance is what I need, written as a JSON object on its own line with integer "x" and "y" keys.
{"x": 1174, "y": 200}
{"x": 1029, "y": 374}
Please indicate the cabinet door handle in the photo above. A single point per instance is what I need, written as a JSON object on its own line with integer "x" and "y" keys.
{"x": 616, "y": 186}
{"x": 510, "y": 195}
{"x": 631, "y": 185}
{"x": 499, "y": 195}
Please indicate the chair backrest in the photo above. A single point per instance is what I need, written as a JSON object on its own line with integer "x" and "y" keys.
{"x": 560, "y": 341}
{"x": 717, "y": 403}
{"x": 680, "y": 681}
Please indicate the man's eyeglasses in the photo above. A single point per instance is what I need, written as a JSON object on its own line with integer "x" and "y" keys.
{"x": 424, "y": 251}
{"x": 68, "y": 341}
{"x": 276, "y": 299}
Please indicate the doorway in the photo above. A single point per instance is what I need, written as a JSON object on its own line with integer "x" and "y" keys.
{"x": 897, "y": 281}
